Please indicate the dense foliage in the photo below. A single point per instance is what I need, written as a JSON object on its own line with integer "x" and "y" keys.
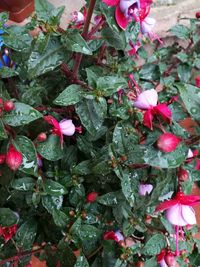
{"x": 86, "y": 157}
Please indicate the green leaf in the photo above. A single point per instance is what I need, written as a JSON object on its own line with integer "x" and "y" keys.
{"x": 51, "y": 203}
{"x": 181, "y": 32}
{"x": 92, "y": 113}
{"x": 22, "y": 114}
{"x": 130, "y": 186}
{"x": 191, "y": 98}
{"x": 3, "y": 134}
{"x": 48, "y": 60}
{"x": 23, "y": 184}
{"x": 26, "y": 234}
{"x": 151, "y": 262}
{"x": 60, "y": 218}
{"x": 154, "y": 245}
{"x": 73, "y": 41}
{"x": 17, "y": 38}
{"x": 110, "y": 199}
{"x": 109, "y": 13}
{"x": 3, "y": 17}
{"x": 51, "y": 148}
{"x": 81, "y": 262}
{"x": 114, "y": 38}
{"x": 83, "y": 168}
{"x": 6, "y": 72}
{"x": 108, "y": 85}
{"x": 54, "y": 188}
{"x": 27, "y": 148}
{"x": 70, "y": 96}
{"x": 8, "y": 217}
{"x": 184, "y": 72}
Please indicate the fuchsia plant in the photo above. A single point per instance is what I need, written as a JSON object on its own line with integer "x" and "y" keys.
{"x": 97, "y": 161}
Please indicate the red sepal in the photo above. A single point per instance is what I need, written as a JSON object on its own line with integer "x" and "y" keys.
{"x": 111, "y": 2}
{"x": 122, "y": 21}
{"x": 56, "y": 130}
{"x": 148, "y": 118}
{"x": 164, "y": 111}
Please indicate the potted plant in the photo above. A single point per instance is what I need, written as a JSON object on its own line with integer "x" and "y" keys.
{"x": 18, "y": 9}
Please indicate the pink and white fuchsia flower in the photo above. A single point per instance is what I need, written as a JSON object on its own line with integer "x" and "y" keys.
{"x": 179, "y": 212}
{"x": 128, "y": 10}
{"x": 145, "y": 189}
{"x": 64, "y": 127}
{"x": 116, "y": 236}
{"x": 148, "y": 100}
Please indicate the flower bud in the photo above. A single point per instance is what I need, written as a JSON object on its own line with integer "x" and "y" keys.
{"x": 183, "y": 175}
{"x": 198, "y": 15}
{"x": 2, "y": 158}
{"x": 197, "y": 81}
{"x": 8, "y": 105}
{"x": 168, "y": 142}
{"x": 170, "y": 259}
{"x": 13, "y": 158}
{"x": 41, "y": 137}
{"x": 91, "y": 197}
{"x": 140, "y": 264}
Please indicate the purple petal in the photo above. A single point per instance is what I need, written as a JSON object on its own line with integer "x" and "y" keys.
{"x": 145, "y": 189}
{"x": 67, "y": 127}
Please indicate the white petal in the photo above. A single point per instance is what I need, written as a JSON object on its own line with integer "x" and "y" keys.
{"x": 190, "y": 154}
{"x": 119, "y": 236}
{"x": 188, "y": 214}
{"x": 125, "y": 4}
{"x": 67, "y": 127}
{"x": 163, "y": 263}
{"x": 147, "y": 99}
{"x": 145, "y": 189}
{"x": 175, "y": 217}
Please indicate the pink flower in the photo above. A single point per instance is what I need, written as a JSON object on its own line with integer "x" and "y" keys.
{"x": 166, "y": 258}
{"x": 147, "y": 100}
{"x": 161, "y": 258}
{"x": 179, "y": 212}
{"x": 111, "y": 235}
{"x": 64, "y": 127}
{"x": 197, "y": 81}
{"x": 128, "y": 10}
{"x": 147, "y": 26}
{"x": 168, "y": 142}
{"x": 78, "y": 18}
{"x": 14, "y": 158}
{"x": 145, "y": 189}
{"x": 67, "y": 127}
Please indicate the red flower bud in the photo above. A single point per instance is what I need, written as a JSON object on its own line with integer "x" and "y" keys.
{"x": 183, "y": 175}
{"x": 13, "y": 158}
{"x": 140, "y": 264}
{"x": 8, "y": 105}
{"x": 91, "y": 197}
{"x": 170, "y": 259}
{"x": 2, "y": 158}
{"x": 41, "y": 137}
{"x": 168, "y": 142}
{"x": 198, "y": 15}
{"x": 197, "y": 80}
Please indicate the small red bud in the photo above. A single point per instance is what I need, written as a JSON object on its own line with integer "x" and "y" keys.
{"x": 170, "y": 259}
{"x": 198, "y": 15}
{"x": 2, "y": 158}
{"x": 8, "y": 105}
{"x": 41, "y": 137}
{"x": 140, "y": 264}
{"x": 183, "y": 175}
{"x": 91, "y": 197}
{"x": 168, "y": 142}
{"x": 13, "y": 158}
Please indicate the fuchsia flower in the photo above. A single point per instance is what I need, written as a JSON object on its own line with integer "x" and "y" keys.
{"x": 168, "y": 142}
{"x": 78, "y": 18}
{"x": 116, "y": 236}
{"x": 128, "y": 10}
{"x": 7, "y": 232}
{"x": 179, "y": 212}
{"x": 147, "y": 100}
{"x": 145, "y": 189}
{"x": 166, "y": 258}
{"x": 64, "y": 127}
{"x": 91, "y": 197}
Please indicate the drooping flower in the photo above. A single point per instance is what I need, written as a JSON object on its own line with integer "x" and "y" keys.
{"x": 129, "y": 10}
{"x": 168, "y": 142}
{"x": 179, "y": 212}
{"x": 111, "y": 235}
{"x": 147, "y": 101}
{"x": 145, "y": 189}
{"x": 14, "y": 158}
{"x": 166, "y": 258}
{"x": 91, "y": 197}
{"x": 78, "y": 18}
{"x": 146, "y": 26}
{"x": 64, "y": 127}
{"x": 7, "y": 232}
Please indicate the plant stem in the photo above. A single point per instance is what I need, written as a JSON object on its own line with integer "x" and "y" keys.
{"x": 85, "y": 35}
